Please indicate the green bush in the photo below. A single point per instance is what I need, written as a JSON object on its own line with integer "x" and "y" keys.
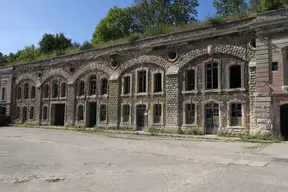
{"x": 133, "y": 37}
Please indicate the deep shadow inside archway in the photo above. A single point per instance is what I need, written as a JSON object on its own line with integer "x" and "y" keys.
{"x": 284, "y": 121}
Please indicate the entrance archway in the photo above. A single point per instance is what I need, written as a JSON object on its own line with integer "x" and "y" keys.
{"x": 284, "y": 121}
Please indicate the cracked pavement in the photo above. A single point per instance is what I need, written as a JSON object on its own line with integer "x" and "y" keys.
{"x": 55, "y": 160}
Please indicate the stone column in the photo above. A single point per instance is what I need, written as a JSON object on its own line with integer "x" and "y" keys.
{"x": 172, "y": 100}
{"x": 113, "y": 107}
{"x": 70, "y": 106}
{"x": 262, "y": 105}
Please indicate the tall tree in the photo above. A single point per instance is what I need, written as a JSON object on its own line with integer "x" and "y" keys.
{"x": 117, "y": 23}
{"x": 50, "y": 42}
{"x": 229, "y": 7}
{"x": 3, "y": 59}
{"x": 255, "y": 5}
{"x": 173, "y": 12}
{"x": 272, "y": 4}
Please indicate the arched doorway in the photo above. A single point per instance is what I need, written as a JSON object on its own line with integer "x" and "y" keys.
{"x": 284, "y": 121}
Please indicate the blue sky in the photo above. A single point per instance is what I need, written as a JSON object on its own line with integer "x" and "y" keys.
{"x": 23, "y": 22}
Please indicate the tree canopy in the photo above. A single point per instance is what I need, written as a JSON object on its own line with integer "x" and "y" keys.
{"x": 229, "y": 7}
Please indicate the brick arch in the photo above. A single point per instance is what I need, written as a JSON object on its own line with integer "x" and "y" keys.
{"x": 91, "y": 67}
{"x": 53, "y": 73}
{"x": 138, "y": 61}
{"x": 235, "y": 51}
{"x": 26, "y": 78}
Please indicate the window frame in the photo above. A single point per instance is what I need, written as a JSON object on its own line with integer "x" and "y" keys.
{"x": 130, "y": 84}
{"x": 122, "y": 114}
{"x": 155, "y": 111}
{"x": 79, "y": 88}
{"x": 100, "y": 113}
{"x": 227, "y": 68}
{"x": 187, "y": 102}
{"x": 33, "y": 114}
{"x": 229, "y": 114}
{"x": 104, "y": 90}
{"x": 3, "y": 94}
{"x": 54, "y": 82}
{"x": 137, "y": 81}
{"x": 33, "y": 90}
{"x": 78, "y": 113}
{"x": 47, "y": 112}
{"x": 26, "y": 91}
{"x": 61, "y": 89}
{"x": 154, "y": 80}
{"x": 92, "y": 87}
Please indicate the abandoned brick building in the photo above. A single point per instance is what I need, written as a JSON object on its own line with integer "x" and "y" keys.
{"x": 228, "y": 78}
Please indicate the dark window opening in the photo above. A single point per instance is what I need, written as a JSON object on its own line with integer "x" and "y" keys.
{"x": 157, "y": 113}
{"x": 63, "y": 89}
{"x": 54, "y": 89}
{"x": 190, "y": 80}
{"x": 189, "y": 113}
{"x": 81, "y": 88}
{"x": 45, "y": 113}
{"x": 46, "y": 91}
{"x": 141, "y": 81}
{"x": 31, "y": 113}
{"x": 275, "y": 66}
{"x": 26, "y": 90}
{"x": 236, "y": 114}
{"x": 19, "y": 92}
{"x": 104, "y": 86}
{"x": 235, "y": 77}
{"x": 172, "y": 55}
{"x": 92, "y": 85}
{"x": 211, "y": 76}
{"x": 157, "y": 82}
{"x": 126, "y": 113}
{"x": 24, "y": 114}
{"x": 33, "y": 92}
{"x": 3, "y": 94}
{"x": 80, "y": 116}
{"x": 103, "y": 113}
{"x": 126, "y": 85}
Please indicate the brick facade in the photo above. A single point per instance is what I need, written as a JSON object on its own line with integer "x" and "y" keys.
{"x": 255, "y": 101}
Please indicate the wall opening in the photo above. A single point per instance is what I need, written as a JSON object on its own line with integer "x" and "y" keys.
{"x": 284, "y": 121}
{"x": 58, "y": 114}
{"x": 91, "y": 114}
{"x": 235, "y": 76}
{"x": 24, "y": 114}
{"x": 140, "y": 116}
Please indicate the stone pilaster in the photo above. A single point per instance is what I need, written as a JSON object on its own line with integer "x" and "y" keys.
{"x": 261, "y": 123}
{"x": 172, "y": 101}
{"x": 70, "y": 106}
{"x": 113, "y": 107}
{"x": 38, "y": 105}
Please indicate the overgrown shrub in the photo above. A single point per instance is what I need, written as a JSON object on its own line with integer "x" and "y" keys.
{"x": 133, "y": 37}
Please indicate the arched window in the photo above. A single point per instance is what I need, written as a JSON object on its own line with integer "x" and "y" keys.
{"x": 63, "y": 89}
{"x": 26, "y": 90}
{"x": 31, "y": 112}
{"x": 54, "y": 88}
{"x": 46, "y": 91}
{"x": 80, "y": 113}
{"x": 104, "y": 86}
{"x": 19, "y": 92}
{"x": 45, "y": 113}
{"x": 81, "y": 88}
{"x": 92, "y": 85}
{"x": 103, "y": 112}
{"x": 33, "y": 92}
{"x": 17, "y": 116}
